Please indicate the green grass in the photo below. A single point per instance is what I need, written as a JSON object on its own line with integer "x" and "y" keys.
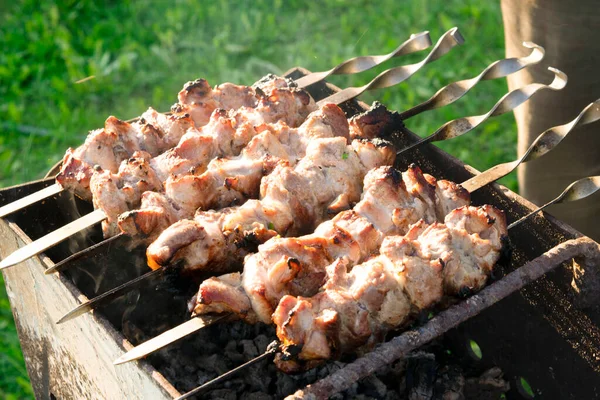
{"x": 141, "y": 54}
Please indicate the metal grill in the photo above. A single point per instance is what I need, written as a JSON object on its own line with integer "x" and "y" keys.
{"x": 538, "y": 333}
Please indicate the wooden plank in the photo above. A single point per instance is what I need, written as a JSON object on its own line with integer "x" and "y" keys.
{"x": 72, "y": 360}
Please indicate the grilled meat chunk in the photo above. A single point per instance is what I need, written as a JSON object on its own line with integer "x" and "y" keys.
{"x": 358, "y": 305}
{"x": 154, "y": 133}
{"x": 477, "y": 238}
{"x": 293, "y": 201}
{"x": 230, "y": 181}
{"x": 117, "y": 193}
{"x": 296, "y": 266}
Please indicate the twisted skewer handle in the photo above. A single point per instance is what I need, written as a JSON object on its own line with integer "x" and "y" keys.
{"x": 508, "y": 102}
{"x": 545, "y": 142}
{"x": 498, "y": 69}
{"x": 416, "y": 42}
{"x": 575, "y": 191}
{"x": 397, "y": 75}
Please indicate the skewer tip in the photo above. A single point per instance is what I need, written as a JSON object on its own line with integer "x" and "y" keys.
{"x": 455, "y": 33}
{"x": 69, "y": 316}
{"x": 10, "y": 261}
{"x": 123, "y": 360}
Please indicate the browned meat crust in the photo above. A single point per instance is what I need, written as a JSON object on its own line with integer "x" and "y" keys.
{"x": 358, "y": 305}
{"x": 293, "y": 201}
{"x": 390, "y": 203}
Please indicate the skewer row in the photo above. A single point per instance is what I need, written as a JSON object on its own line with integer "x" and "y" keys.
{"x": 445, "y": 96}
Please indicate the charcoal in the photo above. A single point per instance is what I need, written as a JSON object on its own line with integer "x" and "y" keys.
{"x": 329, "y": 369}
{"x": 231, "y": 345}
{"x": 203, "y": 378}
{"x": 363, "y": 397}
{"x": 284, "y": 385}
{"x": 374, "y": 387}
{"x": 310, "y": 375}
{"x": 236, "y": 384}
{"x": 249, "y": 348}
{"x": 225, "y": 394}
{"x": 352, "y": 390}
{"x": 420, "y": 376}
{"x": 261, "y": 342}
{"x": 490, "y": 385}
{"x": 214, "y": 363}
{"x": 449, "y": 384}
{"x": 206, "y": 347}
{"x": 235, "y": 357}
{"x": 257, "y": 379}
{"x": 256, "y": 396}
{"x": 392, "y": 395}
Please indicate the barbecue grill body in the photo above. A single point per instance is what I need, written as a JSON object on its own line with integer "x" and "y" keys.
{"x": 537, "y": 333}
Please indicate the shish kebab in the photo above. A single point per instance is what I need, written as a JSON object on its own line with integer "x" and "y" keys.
{"x": 391, "y": 77}
{"x": 443, "y": 97}
{"x": 224, "y": 181}
{"x": 228, "y": 294}
{"x": 123, "y": 288}
{"x": 217, "y": 236}
{"x": 169, "y": 128}
{"x": 518, "y": 95}
{"x": 203, "y": 190}
{"x": 390, "y": 203}
{"x": 193, "y": 127}
{"x": 359, "y": 304}
{"x": 400, "y": 258}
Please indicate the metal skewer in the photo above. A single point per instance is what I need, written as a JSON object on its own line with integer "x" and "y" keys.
{"x": 52, "y": 238}
{"x": 30, "y": 199}
{"x": 508, "y": 102}
{"x": 576, "y": 191}
{"x": 550, "y": 138}
{"x": 540, "y": 146}
{"x": 397, "y": 75}
{"x": 112, "y": 294}
{"x": 273, "y": 348}
{"x": 170, "y": 336}
{"x": 59, "y": 266}
{"x": 456, "y": 90}
{"x": 449, "y": 40}
{"x": 416, "y": 42}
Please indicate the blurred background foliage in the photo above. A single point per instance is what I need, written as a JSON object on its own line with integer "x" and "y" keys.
{"x": 139, "y": 54}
